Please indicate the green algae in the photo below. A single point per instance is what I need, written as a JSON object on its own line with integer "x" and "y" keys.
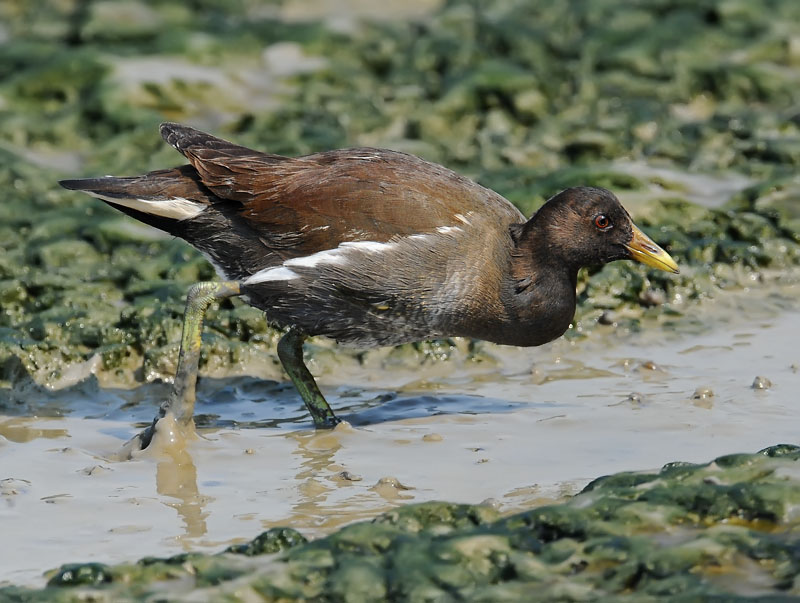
{"x": 725, "y": 529}
{"x": 271, "y": 541}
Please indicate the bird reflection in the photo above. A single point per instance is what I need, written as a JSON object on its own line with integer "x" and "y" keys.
{"x": 176, "y": 477}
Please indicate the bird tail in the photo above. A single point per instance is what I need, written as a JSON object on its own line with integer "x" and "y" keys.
{"x": 157, "y": 198}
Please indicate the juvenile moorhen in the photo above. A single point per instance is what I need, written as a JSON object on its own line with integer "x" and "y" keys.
{"x": 370, "y": 247}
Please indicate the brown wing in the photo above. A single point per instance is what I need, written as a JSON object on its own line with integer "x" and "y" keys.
{"x": 307, "y": 204}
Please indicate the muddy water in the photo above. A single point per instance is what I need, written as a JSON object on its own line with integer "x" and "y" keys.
{"x": 521, "y": 428}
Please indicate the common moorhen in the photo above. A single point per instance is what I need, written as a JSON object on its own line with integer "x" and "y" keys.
{"x": 370, "y": 247}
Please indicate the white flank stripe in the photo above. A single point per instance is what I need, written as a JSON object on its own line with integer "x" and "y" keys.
{"x": 278, "y": 273}
{"x": 463, "y": 219}
{"x": 176, "y": 208}
{"x": 370, "y": 246}
{"x": 446, "y": 229}
{"x": 329, "y": 256}
{"x": 337, "y": 255}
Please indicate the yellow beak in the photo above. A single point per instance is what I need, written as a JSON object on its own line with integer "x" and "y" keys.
{"x": 644, "y": 250}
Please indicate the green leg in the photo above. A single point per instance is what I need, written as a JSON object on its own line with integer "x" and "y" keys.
{"x": 181, "y": 399}
{"x": 290, "y": 352}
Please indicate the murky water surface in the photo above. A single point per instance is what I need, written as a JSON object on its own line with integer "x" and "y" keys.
{"x": 528, "y": 427}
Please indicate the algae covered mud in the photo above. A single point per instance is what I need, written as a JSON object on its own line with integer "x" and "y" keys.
{"x": 695, "y": 531}
{"x": 688, "y": 110}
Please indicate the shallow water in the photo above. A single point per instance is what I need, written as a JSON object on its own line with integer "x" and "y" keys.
{"x": 530, "y": 427}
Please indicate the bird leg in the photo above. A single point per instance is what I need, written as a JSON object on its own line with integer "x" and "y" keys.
{"x": 290, "y": 352}
{"x": 181, "y": 399}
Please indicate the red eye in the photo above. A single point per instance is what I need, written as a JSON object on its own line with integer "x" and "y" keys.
{"x": 602, "y": 222}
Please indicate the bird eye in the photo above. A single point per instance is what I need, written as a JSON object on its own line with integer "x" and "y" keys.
{"x": 602, "y": 222}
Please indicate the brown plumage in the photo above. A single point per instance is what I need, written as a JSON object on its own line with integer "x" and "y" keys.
{"x": 376, "y": 247}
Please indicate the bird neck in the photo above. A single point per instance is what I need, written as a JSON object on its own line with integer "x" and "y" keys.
{"x": 540, "y": 292}
{"x": 538, "y": 258}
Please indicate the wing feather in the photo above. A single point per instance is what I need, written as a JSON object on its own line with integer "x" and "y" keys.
{"x": 306, "y": 204}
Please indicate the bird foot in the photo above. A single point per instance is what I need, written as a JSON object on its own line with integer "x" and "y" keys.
{"x": 143, "y": 439}
{"x": 329, "y": 422}
{"x": 166, "y": 434}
